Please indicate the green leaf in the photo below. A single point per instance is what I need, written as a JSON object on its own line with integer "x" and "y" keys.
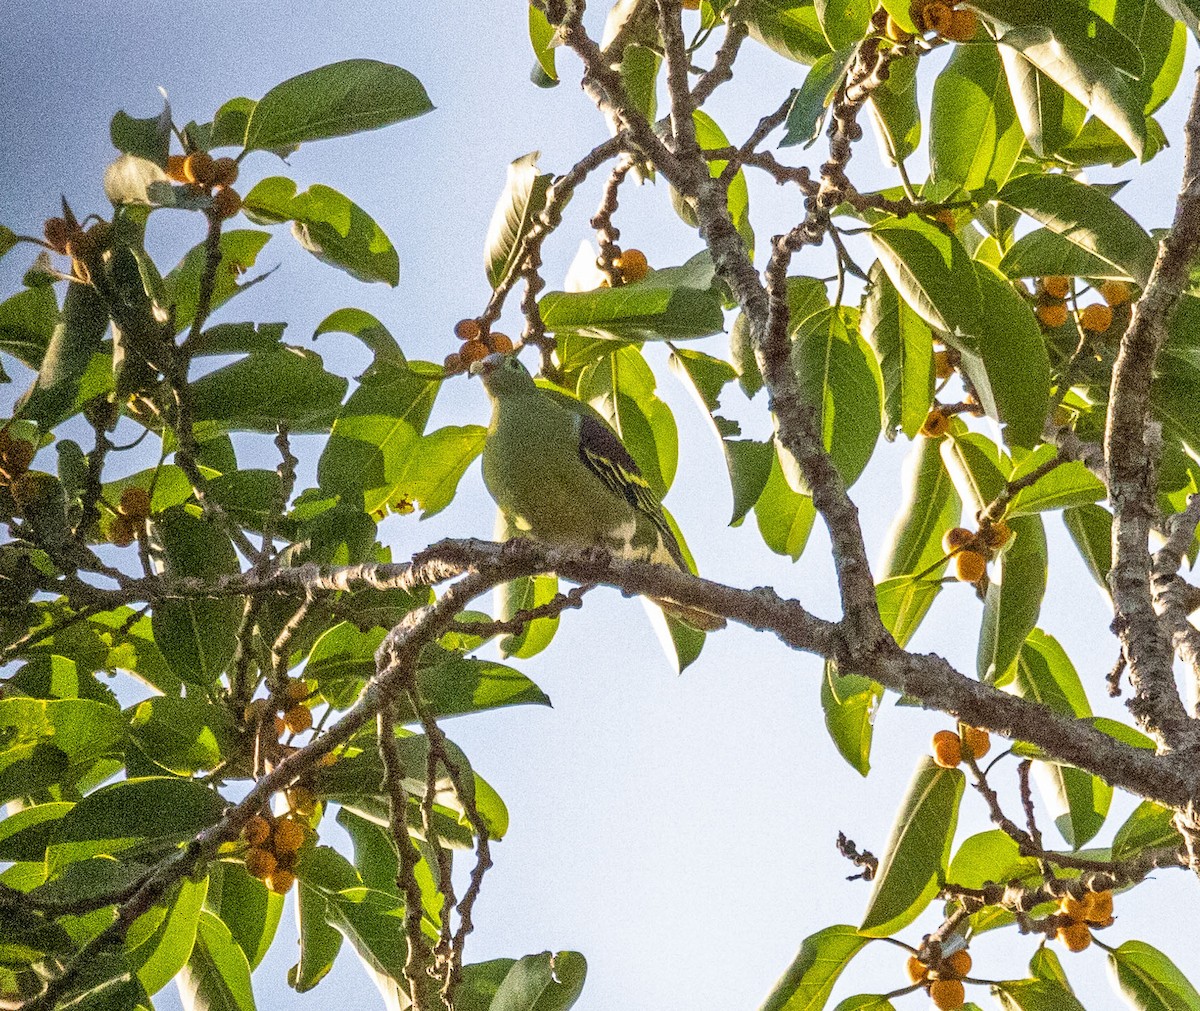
{"x": 931, "y": 507}
{"x": 329, "y": 225}
{"x": 44, "y": 742}
{"x": 807, "y": 983}
{"x": 839, "y": 379}
{"x": 1077, "y": 801}
{"x": 671, "y": 303}
{"x": 229, "y": 124}
{"x": 248, "y": 908}
{"x": 790, "y": 28}
{"x": 239, "y": 250}
{"x": 867, "y": 1002}
{"x": 541, "y": 37}
{"x": 811, "y": 101}
{"x": 1007, "y": 363}
{"x": 1148, "y": 827}
{"x": 165, "y": 810}
{"x": 785, "y": 517}
{"x": 258, "y": 392}
{"x": 989, "y": 856}
{"x": 932, "y": 271}
{"x": 1045, "y": 965}
{"x": 1067, "y": 485}
{"x": 8, "y": 239}
{"x": 1087, "y": 217}
{"x": 25, "y": 834}
{"x": 217, "y": 975}
{"x": 1084, "y": 73}
{"x": 1090, "y": 527}
{"x": 361, "y": 324}
{"x": 27, "y": 324}
{"x": 978, "y": 467}
{"x": 319, "y": 941}
{"x": 158, "y": 957}
{"x": 844, "y": 22}
{"x": 76, "y": 338}
{"x": 749, "y": 464}
{"x": 238, "y": 338}
{"x": 1043, "y": 253}
{"x": 516, "y": 213}
{"x": 184, "y": 736}
{"x": 850, "y": 702}
{"x": 197, "y": 636}
{"x": 1014, "y": 599}
{"x": 1049, "y": 117}
{"x": 545, "y": 982}
{"x": 1034, "y": 995}
{"x": 149, "y": 138}
{"x": 332, "y": 101}
{"x": 903, "y": 344}
{"x": 974, "y": 134}
{"x": 1149, "y": 980}
{"x": 913, "y": 865}
{"x": 903, "y": 604}
{"x": 895, "y": 112}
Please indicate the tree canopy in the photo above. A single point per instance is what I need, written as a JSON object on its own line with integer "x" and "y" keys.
{"x": 208, "y": 658}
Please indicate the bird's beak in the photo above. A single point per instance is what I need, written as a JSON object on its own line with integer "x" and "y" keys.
{"x": 485, "y": 366}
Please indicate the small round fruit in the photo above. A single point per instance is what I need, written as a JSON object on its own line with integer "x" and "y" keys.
{"x": 135, "y": 503}
{"x": 962, "y": 26}
{"x": 257, "y": 830}
{"x": 500, "y": 343}
{"x": 472, "y": 352}
{"x": 1075, "y": 936}
{"x": 225, "y": 171}
{"x": 80, "y": 245}
{"x": 175, "y": 168}
{"x": 298, "y": 719}
{"x": 936, "y": 424}
{"x": 956, "y": 538}
{"x": 260, "y": 862}
{"x": 1115, "y": 292}
{"x": 943, "y": 364}
{"x": 1051, "y": 315}
{"x": 280, "y": 727}
{"x": 122, "y": 531}
{"x": 453, "y": 364}
{"x": 1096, "y": 318}
{"x": 302, "y": 800}
{"x": 468, "y": 330}
{"x": 200, "y": 168}
{"x": 947, "y": 994}
{"x": 1075, "y": 908}
{"x": 281, "y": 882}
{"x": 57, "y": 231}
{"x": 956, "y": 965}
{"x": 633, "y": 265}
{"x": 916, "y": 970}
{"x": 690, "y": 5}
{"x": 18, "y": 456}
{"x": 289, "y": 836}
{"x": 969, "y": 566}
{"x": 1056, "y": 286}
{"x": 947, "y": 749}
{"x": 979, "y": 742}
{"x": 1098, "y": 908}
{"x": 996, "y": 535}
{"x": 296, "y": 690}
{"x": 226, "y": 202}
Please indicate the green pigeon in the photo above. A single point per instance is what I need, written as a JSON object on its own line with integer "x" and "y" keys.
{"x": 560, "y": 474}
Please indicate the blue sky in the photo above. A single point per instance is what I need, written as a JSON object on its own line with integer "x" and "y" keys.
{"x": 676, "y": 830}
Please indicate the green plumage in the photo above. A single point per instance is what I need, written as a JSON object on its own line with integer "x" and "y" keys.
{"x": 561, "y": 475}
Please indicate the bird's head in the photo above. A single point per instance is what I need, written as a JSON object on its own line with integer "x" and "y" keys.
{"x": 502, "y": 373}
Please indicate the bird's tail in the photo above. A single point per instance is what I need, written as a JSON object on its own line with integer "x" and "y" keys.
{"x": 702, "y": 621}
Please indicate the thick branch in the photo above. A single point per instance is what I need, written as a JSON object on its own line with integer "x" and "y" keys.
{"x": 1131, "y": 464}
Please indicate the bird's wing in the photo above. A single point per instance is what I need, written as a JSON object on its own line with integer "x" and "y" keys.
{"x": 605, "y": 456}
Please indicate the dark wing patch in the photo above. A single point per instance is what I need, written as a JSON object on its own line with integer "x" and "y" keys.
{"x": 605, "y": 456}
